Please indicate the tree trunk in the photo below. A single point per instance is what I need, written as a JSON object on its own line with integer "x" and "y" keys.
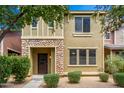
{"x": 3, "y": 33}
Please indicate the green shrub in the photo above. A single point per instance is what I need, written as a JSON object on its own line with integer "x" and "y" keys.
{"x": 74, "y": 77}
{"x": 119, "y": 79}
{"x": 104, "y": 77}
{"x": 5, "y": 69}
{"x": 114, "y": 64}
{"x": 20, "y": 67}
{"x": 51, "y": 80}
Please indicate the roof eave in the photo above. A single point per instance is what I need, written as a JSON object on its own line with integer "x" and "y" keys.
{"x": 86, "y": 12}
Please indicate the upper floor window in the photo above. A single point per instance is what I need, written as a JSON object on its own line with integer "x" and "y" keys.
{"x": 86, "y": 24}
{"x": 78, "y": 24}
{"x": 107, "y": 35}
{"x": 50, "y": 24}
{"x": 82, "y": 24}
{"x": 34, "y": 23}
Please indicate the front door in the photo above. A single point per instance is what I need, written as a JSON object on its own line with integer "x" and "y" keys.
{"x": 42, "y": 63}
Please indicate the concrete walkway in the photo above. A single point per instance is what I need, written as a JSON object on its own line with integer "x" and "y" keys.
{"x": 36, "y": 81}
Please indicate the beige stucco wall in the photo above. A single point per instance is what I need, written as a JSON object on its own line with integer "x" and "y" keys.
{"x": 94, "y": 40}
{"x": 52, "y": 60}
{"x": 26, "y": 31}
{"x": 34, "y": 57}
{"x": 42, "y": 30}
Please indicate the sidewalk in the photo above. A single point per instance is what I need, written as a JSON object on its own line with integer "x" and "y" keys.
{"x": 36, "y": 81}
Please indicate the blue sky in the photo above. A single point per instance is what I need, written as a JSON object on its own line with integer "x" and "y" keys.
{"x": 83, "y": 7}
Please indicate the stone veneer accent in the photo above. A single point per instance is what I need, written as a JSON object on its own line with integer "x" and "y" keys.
{"x": 57, "y": 43}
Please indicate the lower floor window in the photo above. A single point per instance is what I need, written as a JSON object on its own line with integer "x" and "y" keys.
{"x": 73, "y": 55}
{"x": 92, "y": 56}
{"x": 82, "y": 56}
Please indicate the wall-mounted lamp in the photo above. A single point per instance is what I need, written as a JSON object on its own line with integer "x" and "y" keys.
{"x": 50, "y": 57}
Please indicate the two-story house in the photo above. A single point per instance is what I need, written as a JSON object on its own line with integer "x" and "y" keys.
{"x": 114, "y": 42}
{"x": 78, "y": 45}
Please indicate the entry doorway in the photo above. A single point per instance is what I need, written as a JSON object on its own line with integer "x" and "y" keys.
{"x": 42, "y": 63}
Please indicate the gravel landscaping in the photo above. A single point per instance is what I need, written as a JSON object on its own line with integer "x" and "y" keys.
{"x": 85, "y": 82}
{"x": 12, "y": 84}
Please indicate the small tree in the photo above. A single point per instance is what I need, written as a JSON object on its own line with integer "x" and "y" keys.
{"x": 112, "y": 19}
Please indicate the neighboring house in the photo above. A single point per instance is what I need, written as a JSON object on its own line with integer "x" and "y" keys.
{"x": 78, "y": 45}
{"x": 11, "y": 44}
{"x": 114, "y": 42}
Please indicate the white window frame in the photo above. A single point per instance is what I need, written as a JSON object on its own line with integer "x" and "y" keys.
{"x": 77, "y": 52}
{"x": 51, "y": 28}
{"x": 109, "y": 36}
{"x": 82, "y": 24}
{"x": 35, "y": 28}
{"x": 87, "y": 57}
{"x": 79, "y": 57}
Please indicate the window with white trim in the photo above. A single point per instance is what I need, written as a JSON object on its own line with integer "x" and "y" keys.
{"x": 107, "y": 35}
{"x": 34, "y": 24}
{"x": 50, "y": 25}
{"x": 92, "y": 56}
{"x": 82, "y": 24}
{"x": 73, "y": 57}
{"x": 82, "y": 57}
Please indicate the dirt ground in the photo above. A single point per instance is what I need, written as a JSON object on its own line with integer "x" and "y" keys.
{"x": 86, "y": 82}
{"x": 12, "y": 84}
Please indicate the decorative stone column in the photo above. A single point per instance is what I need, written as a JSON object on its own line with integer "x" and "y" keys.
{"x": 57, "y": 43}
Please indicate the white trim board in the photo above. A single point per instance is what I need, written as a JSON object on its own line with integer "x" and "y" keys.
{"x": 2, "y": 47}
{"x": 82, "y": 47}
{"x": 13, "y": 50}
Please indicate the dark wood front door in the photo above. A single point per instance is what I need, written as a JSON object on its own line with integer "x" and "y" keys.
{"x": 42, "y": 63}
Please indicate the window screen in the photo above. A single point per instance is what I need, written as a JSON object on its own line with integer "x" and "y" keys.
{"x": 82, "y": 56}
{"x": 73, "y": 57}
{"x": 92, "y": 56}
{"x": 78, "y": 24}
{"x": 34, "y": 23}
{"x": 86, "y": 24}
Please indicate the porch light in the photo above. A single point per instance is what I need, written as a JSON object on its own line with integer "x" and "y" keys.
{"x": 50, "y": 57}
